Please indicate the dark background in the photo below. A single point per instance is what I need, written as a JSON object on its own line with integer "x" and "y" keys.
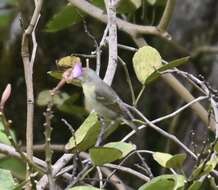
{"x": 194, "y": 25}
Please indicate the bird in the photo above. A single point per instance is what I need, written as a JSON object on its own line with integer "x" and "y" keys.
{"x": 99, "y": 96}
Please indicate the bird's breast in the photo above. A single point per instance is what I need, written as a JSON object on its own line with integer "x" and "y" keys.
{"x": 92, "y": 104}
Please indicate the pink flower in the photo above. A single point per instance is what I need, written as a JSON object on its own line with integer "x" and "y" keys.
{"x": 77, "y": 70}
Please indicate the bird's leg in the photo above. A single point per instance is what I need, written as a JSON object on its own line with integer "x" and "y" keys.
{"x": 102, "y": 131}
{"x": 130, "y": 124}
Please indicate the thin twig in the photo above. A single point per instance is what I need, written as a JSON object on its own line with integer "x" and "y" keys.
{"x": 98, "y": 50}
{"x": 139, "y": 96}
{"x": 84, "y": 55}
{"x": 48, "y": 151}
{"x": 166, "y": 116}
{"x": 85, "y": 171}
{"x": 128, "y": 79}
{"x": 128, "y": 170}
{"x": 121, "y": 163}
{"x": 162, "y": 132}
{"x": 145, "y": 165}
{"x": 167, "y": 15}
{"x": 100, "y": 177}
{"x": 125, "y": 47}
{"x": 204, "y": 49}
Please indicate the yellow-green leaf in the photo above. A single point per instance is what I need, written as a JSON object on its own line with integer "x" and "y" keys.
{"x": 170, "y": 65}
{"x": 6, "y": 180}
{"x": 165, "y": 182}
{"x": 128, "y": 6}
{"x": 103, "y": 155}
{"x": 68, "y": 61}
{"x": 145, "y": 61}
{"x": 176, "y": 161}
{"x": 205, "y": 169}
{"x": 162, "y": 158}
{"x": 124, "y": 147}
{"x": 196, "y": 185}
{"x": 86, "y": 135}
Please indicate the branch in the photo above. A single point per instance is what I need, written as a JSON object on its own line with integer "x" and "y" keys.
{"x": 10, "y": 151}
{"x": 41, "y": 147}
{"x": 131, "y": 29}
{"x": 204, "y": 49}
{"x": 28, "y": 71}
{"x": 112, "y": 43}
{"x": 162, "y": 132}
{"x": 167, "y": 15}
{"x": 166, "y": 116}
{"x": 56, "y": 168}
{"x": 128, "y": 170}
{"x": 48, "y": 151}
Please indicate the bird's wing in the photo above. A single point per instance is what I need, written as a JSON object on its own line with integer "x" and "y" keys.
{"x": 107, "y": 97}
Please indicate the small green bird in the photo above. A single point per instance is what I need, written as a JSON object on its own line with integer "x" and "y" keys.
{"x": 99, "y": 96}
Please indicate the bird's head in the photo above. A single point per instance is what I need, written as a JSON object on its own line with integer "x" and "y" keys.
{"x": 79, "y": 74}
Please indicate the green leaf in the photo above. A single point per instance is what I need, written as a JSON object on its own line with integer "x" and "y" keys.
{"x": 145, "y": 61}
{"x": 56, "y": 74}
{"x": 86, "y": 135}
{"x": 156, "y": 2}
{"x": 124, "y": 147}
{"x": 69, "y": 107}
{"x": 65, "y": 18}
{"x": 205, "y": 169}
{"x": 216, "y": 147}
{"x": 98, "y": 3}
{"x": 84, "y": 188}
{"x": 128, "y": 6}
{"x": 169, "y": 161}
{"x": 196, "y": 185}
{"x": 165, "y": 182}
{"x": 44, "y": 98}
{"x": 103, "y": 155}
{"x": 5, "y": 18}
{"x": 4, "y": 138}
{"x": 176, "y": 161}
{"x": 6, "y": 180}
{"x": 162, "y": 158}
{"x": 17, "y": 167}
{"x": 212, "y": 183}
{"x": 1, "y": 126}
{"x": 170, "y": 65}
{"x": 10, "y": 2}
{"x": 151, "y": 2}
